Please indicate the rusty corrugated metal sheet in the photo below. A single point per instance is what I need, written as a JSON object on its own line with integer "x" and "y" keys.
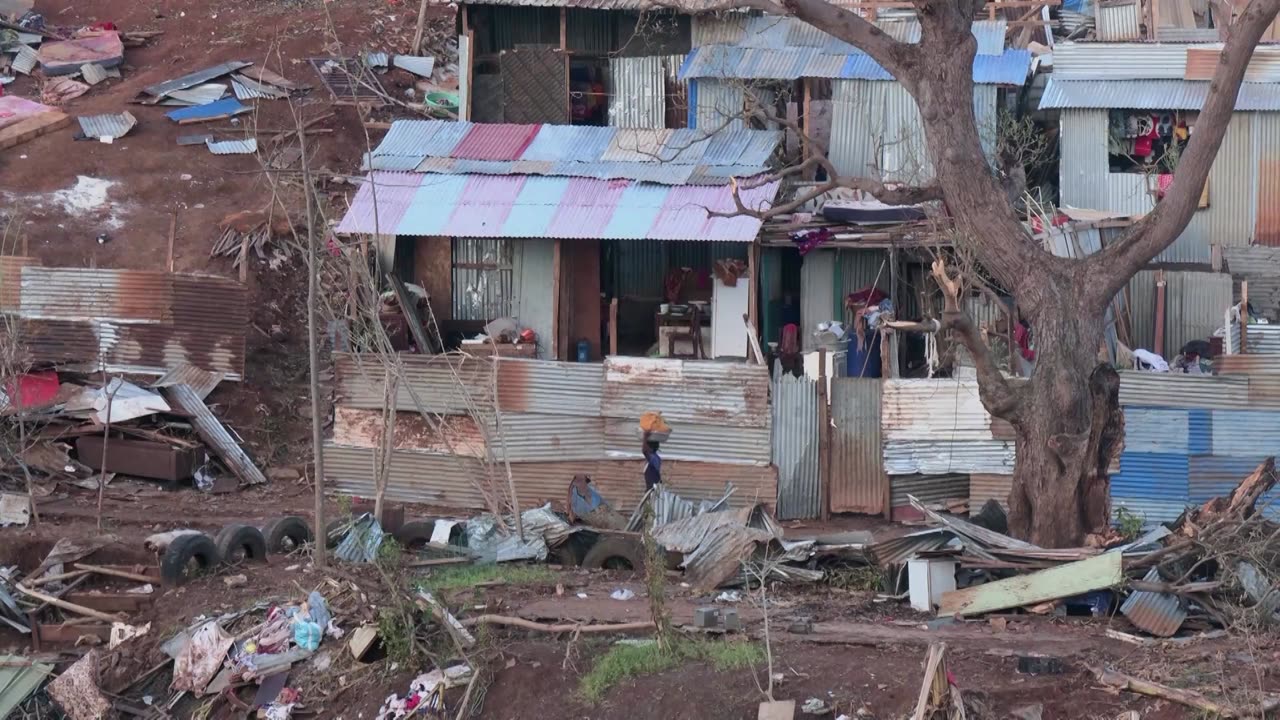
{"x": 1250, "y": 364}
{"x": 1267, "y": 141}
{"x": 1264, "y": 65}
{"x": 449, "y": 480}
{"x": 446, "y": 384}
{"x": 934, "y": 410}
{"x": 542, "y": 437}
{"x": 456, "y": 434}
{"x": 132, "y": 320}
{"x": 201, "y": 382}
{"x": 684, "y": 536}
{"x": 721, "y": 554}
{"x": 694, "y": 391}
{"x": 214, "y": 434}
{"x": 1184, "y": 391}
{"x": 543, "y": 386}
{"x": 795, "y": 447}
{"x": 691, "y": 441}
{"x": 11, "y": 280}
{"x": 1160, "y": 614}
{"x": 858, "y": 482}
{"x": 984, "y": 487}
{"x": 928, "y": 489}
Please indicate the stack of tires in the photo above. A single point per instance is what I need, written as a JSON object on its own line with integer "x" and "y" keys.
{"x": 196, "y": 553}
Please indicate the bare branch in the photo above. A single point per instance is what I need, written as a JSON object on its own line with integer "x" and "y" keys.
{"x": 889, "y": 193}
{"x": 1001, "y": 398}
{"x": 1111, "y": 268}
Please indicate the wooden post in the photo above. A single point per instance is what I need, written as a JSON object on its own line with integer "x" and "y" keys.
{"x": 807, "y": 114}
{"x": 1157, "y": 344}
{"x": 470, "y": 69}
{"x": 555, "y": 301}
{"x": 753, "y": 289}
{"x": 824, "y": 439}
{"x": 422, "y": 26}
{"x": 564, "y": 29}
{"x": 613, "y": 326}
{"x": 1244, "y": 316}
{"x": 173, "y": 231}
{"x": 1155, "y": 18}
{"x": 564, "y": 54}
{"x": 887, "y": 371}
{"x": 466, "y": 21}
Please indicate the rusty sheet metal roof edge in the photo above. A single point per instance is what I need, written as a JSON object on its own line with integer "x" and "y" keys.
{"x": 214, "y": 434}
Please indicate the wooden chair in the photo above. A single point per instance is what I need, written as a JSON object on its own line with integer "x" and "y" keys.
{"x": 693, "y": 334}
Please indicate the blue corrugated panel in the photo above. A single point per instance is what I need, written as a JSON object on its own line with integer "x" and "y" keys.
{"x": 1216, "y": 475}
{"x": 1009, "y": 68}
{"x": 692, "y": 120}
{"x": 391, "y": 163}
{"x": 1156, "y": 430}
{"x": 684, "y": 147}
{"x": 409, "y": 138}
{"x": 759, "y": 148}
{"x": 1199, "y": 432}
{"x": 558, "y": 143}
{"x": 1246, "y": 433}
{"x": 726, "y": 147}
{"x": 226, "y": 107}
{"x": 859, "y": 66}
{"x": 1158, "y": 476}
{"x": 1152, "y": 511}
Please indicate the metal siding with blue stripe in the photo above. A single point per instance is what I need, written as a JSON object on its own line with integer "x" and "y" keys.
{"x": 432, "y": 205}
{"x": 1151, "y": 511}
{"x": 1158, "y": 476}
{"x": 1199, "y": 432}
{"x": 636, "y": 212}
{"x": 1156, "y": 430}
{"x": 1246, "y": 433}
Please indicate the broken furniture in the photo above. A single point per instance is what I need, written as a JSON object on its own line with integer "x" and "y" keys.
{"x": 140, "y": 458}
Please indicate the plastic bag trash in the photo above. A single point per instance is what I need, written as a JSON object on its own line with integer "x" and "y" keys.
{"x": 623, "y": 594}
{"x": 307, "y": 634}
{"x": 582, "y": 596}
{"x": 729, "y": 596}
{"x": 814, "y": 706}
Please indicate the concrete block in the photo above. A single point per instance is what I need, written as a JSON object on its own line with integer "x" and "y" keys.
{"x": 731, "y": 620}
{"x": 706, "y": 617}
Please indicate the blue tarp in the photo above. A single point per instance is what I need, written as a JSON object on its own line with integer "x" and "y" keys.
{"x": 214, "y": 110}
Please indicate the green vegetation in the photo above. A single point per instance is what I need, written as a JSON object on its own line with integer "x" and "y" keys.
{"x": 1129, "y": 523}
{"x": 624, "y": 662}
{"x": 464, "y": 576}
{"x": 863, "y": 578}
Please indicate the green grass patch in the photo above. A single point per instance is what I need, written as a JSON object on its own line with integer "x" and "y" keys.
{"x": 464, "y": 576}
{"x": 624, "y": 662}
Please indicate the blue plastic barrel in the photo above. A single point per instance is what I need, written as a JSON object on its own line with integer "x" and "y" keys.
{"x": 864, "y": 363}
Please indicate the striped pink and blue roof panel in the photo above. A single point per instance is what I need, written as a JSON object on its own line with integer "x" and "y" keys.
{"x": 534, "y": 206}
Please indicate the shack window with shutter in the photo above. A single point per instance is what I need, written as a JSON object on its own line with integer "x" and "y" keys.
{"x": 482, "y": 278}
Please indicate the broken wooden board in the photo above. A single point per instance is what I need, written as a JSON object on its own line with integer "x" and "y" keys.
{"x": 32, "y": 128}
{"x": 1075, "y": 578}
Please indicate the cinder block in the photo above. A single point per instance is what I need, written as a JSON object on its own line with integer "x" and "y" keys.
{"x": 731, "y": 620}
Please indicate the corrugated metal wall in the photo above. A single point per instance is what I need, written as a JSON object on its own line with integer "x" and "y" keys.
{"x": 639, "y": 92}
{"x": 590, "y": 31}
{"x": 928, "y": 489}
{"x": 1195, "y": 305}
{"x": 989, "y": 487}
{"x": 705, "y": 392}
{"x": 718, "y": 105}
{"x": 817, "y": 293}
{"x": 876, "y": 127}
{"x": 940, "y": 426}
{"x": 858, "y": 482}
{"x": 1083, "y": 160}
{"x": 1119, "y": 22}
{"x": 533, "y": 305}
{"x": 795, "y": 447}
{"x": 1266, "y": 148}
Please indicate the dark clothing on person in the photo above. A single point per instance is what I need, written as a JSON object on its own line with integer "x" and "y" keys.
{"x": 652, "y": 467}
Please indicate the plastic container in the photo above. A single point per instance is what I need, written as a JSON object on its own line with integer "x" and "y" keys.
{"x": 584, "y": 350}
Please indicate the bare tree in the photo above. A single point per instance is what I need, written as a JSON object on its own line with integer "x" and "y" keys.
{"x": 1064, "y": 415}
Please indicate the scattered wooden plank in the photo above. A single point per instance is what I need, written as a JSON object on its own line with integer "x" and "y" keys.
{"x": 32, "y": 128}
{"x": 1190, "y": 698}
{"x": 71, "y": 607}
{"x": 113, "y": 572}
{"x": 1075, "y": 578}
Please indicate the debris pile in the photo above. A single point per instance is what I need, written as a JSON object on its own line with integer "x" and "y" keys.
{"x": 84, "y": 432}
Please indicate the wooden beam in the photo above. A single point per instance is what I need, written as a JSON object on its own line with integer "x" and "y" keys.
{"x": 555, "y": 301}
{"x": 173, "y": 231}
{"x": 613, "y": 326}
{"x": 70, "y": 607}
{"x": 824, "y": 438}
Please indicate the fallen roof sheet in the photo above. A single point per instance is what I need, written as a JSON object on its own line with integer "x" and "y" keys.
{"x": 671, "y": 157}
{"x": 214, "y": 434}
{"x": 112, "y": 126}
{"x": 228, "y": 107}
{"x": 1160, "y": 614}
{"x": 160, "y": 90}
{"x": 65, "y": 57}
{"x": 233, "y": 147}
{"x": 19, "y": 677}
{"x": 517, "y": 206}
{"x": 724, "y": 61}
{"x": 25, "y": 61}
{"x": 1151, "y": 95}
{"x": 93, "y": 73}
{"x": 198, "y": 95}
{"x": 201, "y": 382}
{"x": 250, "y": 89}
{"x": 421, "y": 66}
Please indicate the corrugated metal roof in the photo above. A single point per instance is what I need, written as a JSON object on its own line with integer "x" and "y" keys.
{"x": 718, "y": 61}
{"x": 1264, "y": 64}
{"x": 1150, "y": 94}
{"x": 19, "y": 677}
{"x": 160, "y": 90}
{"x": 232, "y": 147}
{"x": 250, "y": 89}
{"x": 730, "y": 394}
{"x": 198, "y": 95}
{"x": 114, "y": 125}
{"x": 1160, "y": 614}
{"x": 214, "y": 434}
{"x": 934, "y": 410}
{"x": 908, "y": 457}
{"x": 928, "y": 489}
{"x": 795, "y": 447}
{"x": 658, "y": 155}
{"x": 131, "y": 320}
{"x": 1120, "y": 22}
{"x": 685, "y": 535}
{"x": 857, "y": 482}
{"x": 1119, "y": 61}
{"x": 532, "y": 206}
{"x": 774, "y": 32}
{"x": 1182, "y": 391}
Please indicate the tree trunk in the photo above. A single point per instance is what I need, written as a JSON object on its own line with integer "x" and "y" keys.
{"x": 1068, "y": 430}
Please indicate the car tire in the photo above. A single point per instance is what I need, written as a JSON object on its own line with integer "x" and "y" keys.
{"x": 615, "y": 553}
{"x": 286, "y": 534}
{"x": 176, "y": 563}
{"x": 241, "y": 543}
{"x": 415, "y": 534}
